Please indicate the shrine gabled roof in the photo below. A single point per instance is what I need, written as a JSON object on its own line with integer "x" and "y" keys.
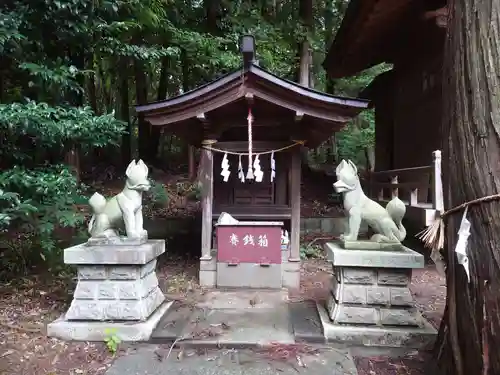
{"x": 373, "y": 32}
{"x": 256, "y": 82}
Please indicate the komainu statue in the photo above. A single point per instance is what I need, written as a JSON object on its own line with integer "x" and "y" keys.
{"x": 385, "y": 222}
{"x": 123, "y": 210}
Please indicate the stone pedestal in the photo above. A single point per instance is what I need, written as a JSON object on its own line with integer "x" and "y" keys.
{"x": 117, "y": 289}
{"x": 370, "y": 302}
{"x": 290, "y": 274}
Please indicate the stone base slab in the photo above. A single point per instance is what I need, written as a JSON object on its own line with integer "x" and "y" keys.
{"x": 116, "y": 241}
{"x": 114, "y": 254}
{"x": 408, "y": 337}
{"x": 405, "y": 258}
{"x": 99, "y": 331}
{"x": 214, "y": 274}
{"x": 249, "y": 275}
{"x": 371, "y": 245}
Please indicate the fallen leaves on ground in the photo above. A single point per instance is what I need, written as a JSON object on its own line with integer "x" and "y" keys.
{"x": 27, "y": 305}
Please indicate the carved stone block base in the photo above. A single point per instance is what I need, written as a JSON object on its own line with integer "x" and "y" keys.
{"x": 370, "y": 289}
{"x": 372, "y": 315}
{"x": 115, "y": 282}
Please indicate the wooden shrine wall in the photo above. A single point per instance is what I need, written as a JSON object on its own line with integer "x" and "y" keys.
{"x": 408, "y": 109}
{"x": 235, "y": 193}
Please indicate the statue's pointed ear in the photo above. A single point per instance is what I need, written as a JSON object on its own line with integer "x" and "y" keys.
{"x": 143, "y": 166}
{"x": 353, "y": 166}
{"x": 340, "y": 166}
{"x": 130, "y": 168}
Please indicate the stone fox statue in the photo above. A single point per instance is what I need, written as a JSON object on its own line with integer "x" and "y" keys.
{"x": 124, "y": 209}
{"x": 386, "y": 222}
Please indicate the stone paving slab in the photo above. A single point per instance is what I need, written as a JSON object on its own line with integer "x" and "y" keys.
{"x": 153, "y": 360}
{"x": 173, "y": 323}
{"x": 243, "y": 299}
{"x": 240, "y": 319}
{"x": 305, "y": 321}
{"x": 234, "y": 328}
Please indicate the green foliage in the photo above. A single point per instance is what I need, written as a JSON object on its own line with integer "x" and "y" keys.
{"x": 40, "y": 200}
{"x": 68, "y": 66}
{"x": 310, "y": 252}
{"x": 112, "y": 340}
{"x": 13, "y": 208}
{"x": 58, "y": 126}
{"x": 355, "y": 139}
{"x": 158, "y": 193}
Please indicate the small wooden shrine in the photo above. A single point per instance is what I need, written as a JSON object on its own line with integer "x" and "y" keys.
{"x": 251, "y": 126}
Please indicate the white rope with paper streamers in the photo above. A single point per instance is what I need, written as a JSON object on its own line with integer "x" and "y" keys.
{"x": 251, "y": 166}
{"x": 461, "y": 246}
{"x": 225, "y": 168}
{"x": 433, "y": 235}
{"x": 273, "y": 167}
{"x": 241, "y": 173}
{"x": 250, "y": 175}
{"x": 215, "y": 149}
{"x": 257, "y": 171}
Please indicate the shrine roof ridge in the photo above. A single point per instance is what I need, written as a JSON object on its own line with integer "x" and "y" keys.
{"x": 243, "y": 74}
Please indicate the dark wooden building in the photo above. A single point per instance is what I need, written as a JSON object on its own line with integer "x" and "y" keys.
{"x": 214, "y": 117}
{"x": 407, "y": 99}
{"x": 408, "y": 34}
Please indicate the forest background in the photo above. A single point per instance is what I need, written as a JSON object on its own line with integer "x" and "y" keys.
{"x": 72, "y": 70}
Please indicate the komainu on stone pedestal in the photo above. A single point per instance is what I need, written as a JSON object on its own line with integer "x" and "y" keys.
{"x": 385, "y": 222}
{"x": 122, "y": 211}
{"x": 117, "y": 289}
{"x": 117, "y": 284}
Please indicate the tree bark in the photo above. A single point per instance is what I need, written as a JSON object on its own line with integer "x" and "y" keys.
{"x": 304, "y": 68}
{"x": 141, "y": 89}
{"x": 471, "y": 124}
{"x": 306, "y": 17}
{"x": 126, "y": 148}
{"x": 212, "y": 9}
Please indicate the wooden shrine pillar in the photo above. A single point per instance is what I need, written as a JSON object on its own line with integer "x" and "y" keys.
{"x": 295, "y": 177}
{"x": 205, "y": 177}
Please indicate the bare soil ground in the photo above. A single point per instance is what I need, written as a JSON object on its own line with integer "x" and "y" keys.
{"x": 29, "y": 304}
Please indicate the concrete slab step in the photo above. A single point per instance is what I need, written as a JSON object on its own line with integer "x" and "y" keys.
{"x": 240, "y": 319}
{"x": 239, "y": 328}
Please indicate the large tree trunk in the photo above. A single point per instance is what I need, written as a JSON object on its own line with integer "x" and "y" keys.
{"x": 306, "y": 17}
{"x": 304, "y": 53}
{"x": 141, "y": 89}
{"x": 126, "y": 148}
{"x": 471, "y": 122}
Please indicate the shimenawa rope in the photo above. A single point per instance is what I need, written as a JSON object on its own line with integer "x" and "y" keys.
{"x": 433, "y": 235}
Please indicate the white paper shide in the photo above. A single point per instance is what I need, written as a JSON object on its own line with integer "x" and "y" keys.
{"x": 461, "y": 246}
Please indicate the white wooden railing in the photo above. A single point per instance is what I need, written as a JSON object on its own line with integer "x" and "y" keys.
{"x": 420, "y": 188}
